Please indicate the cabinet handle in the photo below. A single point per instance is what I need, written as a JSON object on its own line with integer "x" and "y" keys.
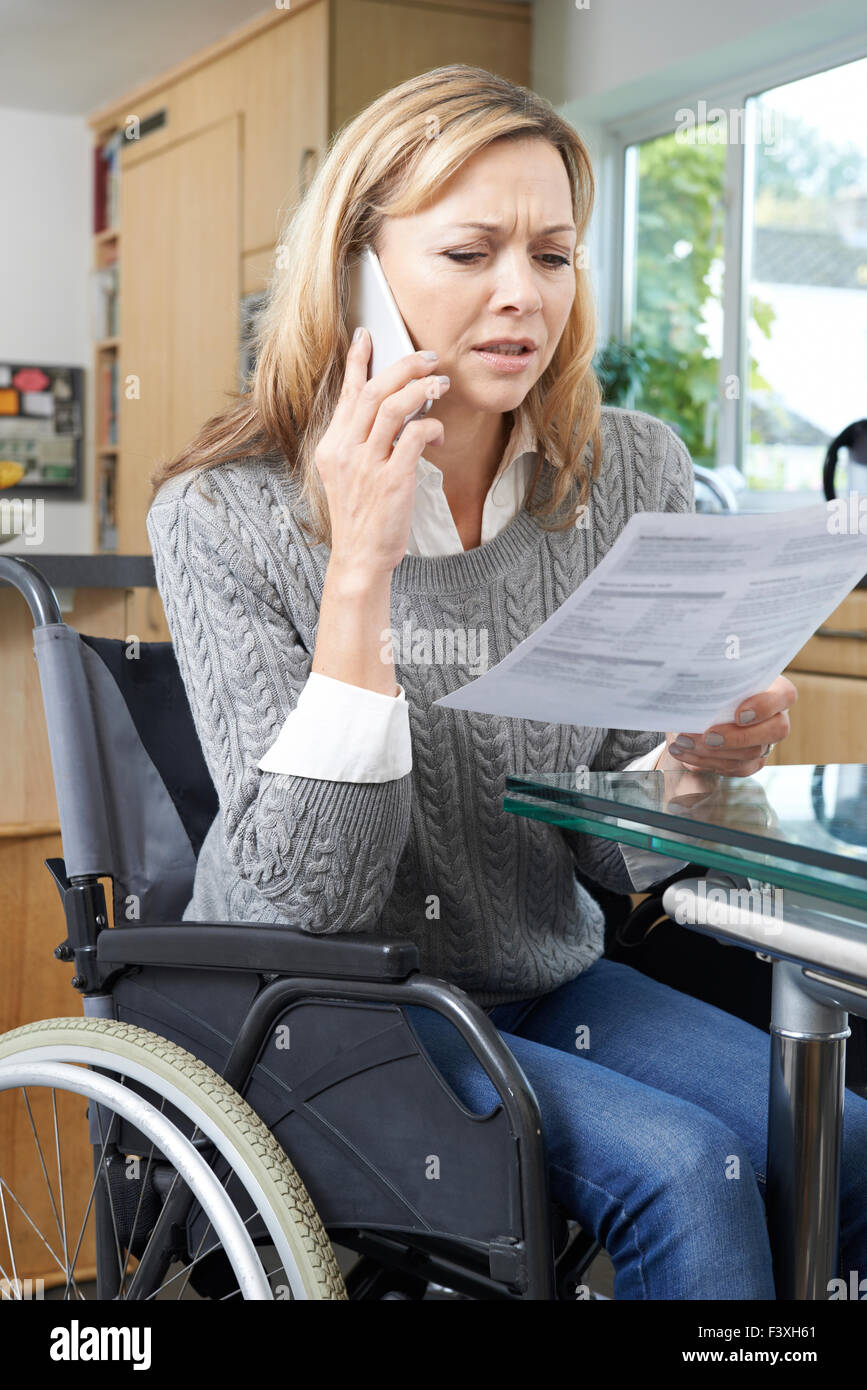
{"x": 854, "y": 636}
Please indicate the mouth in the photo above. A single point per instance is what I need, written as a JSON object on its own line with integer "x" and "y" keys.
{"x": 507, "y": 354}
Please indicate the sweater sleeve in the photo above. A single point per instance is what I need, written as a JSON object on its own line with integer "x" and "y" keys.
{"x": 312, "y": 853}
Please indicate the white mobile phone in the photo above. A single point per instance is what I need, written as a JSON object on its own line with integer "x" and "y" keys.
{"x": 372, "y": 305}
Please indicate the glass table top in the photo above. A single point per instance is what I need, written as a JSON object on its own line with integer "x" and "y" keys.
{"x": 801, "y": 827}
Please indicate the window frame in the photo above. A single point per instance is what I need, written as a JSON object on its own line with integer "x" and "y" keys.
{"x": 660, "y": 120}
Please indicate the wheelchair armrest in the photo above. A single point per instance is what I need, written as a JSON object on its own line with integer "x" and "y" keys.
{"x": 243, "y": 946}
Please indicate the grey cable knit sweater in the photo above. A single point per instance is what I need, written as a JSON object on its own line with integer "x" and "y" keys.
{"x": 490, "y": 897}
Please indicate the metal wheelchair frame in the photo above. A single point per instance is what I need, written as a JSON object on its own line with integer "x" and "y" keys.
{"x": 537, "y": 1255}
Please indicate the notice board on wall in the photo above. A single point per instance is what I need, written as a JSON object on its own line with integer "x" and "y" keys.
{"x": 41, "y": 430}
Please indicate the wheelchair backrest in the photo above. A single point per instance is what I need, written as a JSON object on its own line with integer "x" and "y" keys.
{"x": 134, "y": 794}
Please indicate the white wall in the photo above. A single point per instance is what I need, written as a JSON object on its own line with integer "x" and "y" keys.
{"x": 615, "y": 59}
{"x": 45, "y": 256}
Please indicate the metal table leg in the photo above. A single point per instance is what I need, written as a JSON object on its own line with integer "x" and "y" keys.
{"x": 805, "y": 1118}
{"x": 820, "y": 976}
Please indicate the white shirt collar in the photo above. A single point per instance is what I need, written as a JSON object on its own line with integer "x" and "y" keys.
{"x": 433, "y": 531}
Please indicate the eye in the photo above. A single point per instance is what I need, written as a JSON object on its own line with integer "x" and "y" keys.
{"x": 468, "y": 257}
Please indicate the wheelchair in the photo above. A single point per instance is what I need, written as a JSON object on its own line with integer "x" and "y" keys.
{"x": 250, "y": 1093}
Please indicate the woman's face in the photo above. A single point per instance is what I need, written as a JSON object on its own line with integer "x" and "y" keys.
{"x": 459, "y": 287}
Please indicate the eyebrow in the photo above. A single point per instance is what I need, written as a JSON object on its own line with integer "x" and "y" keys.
{"x": 495, "y": 227}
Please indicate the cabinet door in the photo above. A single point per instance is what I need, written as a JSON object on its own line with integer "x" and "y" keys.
{"x": 180, "y": 273}
{"x": 829, "y": 721}
{"x": 284, "y": 97}
{"x": 376, "y": 44}
{"x": 839, "y": 646}
{"x": 277, "y": 79}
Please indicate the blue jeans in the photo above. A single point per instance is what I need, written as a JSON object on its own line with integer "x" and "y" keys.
{"x": 656, "y": 1132}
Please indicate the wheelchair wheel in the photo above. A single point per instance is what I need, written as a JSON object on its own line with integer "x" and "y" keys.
{"x": 189, "y": 1191}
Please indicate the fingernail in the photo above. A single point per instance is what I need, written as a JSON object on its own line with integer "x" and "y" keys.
{"x": 676, "y": 749}
{"x": 746, "y": 716}
{"x": 444, "y": 380}
{"x": 714, "y": 740}
{"x": 430, "y": 354}
{"x": 357, "y": 334}
{"x": 684, "y": 741}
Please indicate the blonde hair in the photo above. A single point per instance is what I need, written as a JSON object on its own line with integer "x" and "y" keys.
{"x": 388, "y": 161}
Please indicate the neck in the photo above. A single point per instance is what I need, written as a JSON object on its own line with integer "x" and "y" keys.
{"x": 471, "y": 454}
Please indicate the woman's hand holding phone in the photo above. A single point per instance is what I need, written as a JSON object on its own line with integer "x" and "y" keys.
{"x": 369, "y": 480}
{"x": 369, "y": 484}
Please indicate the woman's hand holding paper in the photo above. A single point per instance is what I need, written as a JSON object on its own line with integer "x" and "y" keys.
{"x": 741, "y": 748}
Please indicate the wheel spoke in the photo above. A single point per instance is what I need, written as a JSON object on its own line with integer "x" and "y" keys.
{"x": 61, "y": 1224}
{"x": 149, "y": 1241}
{"x": 42, "y": 1164}
{"x": 167, "y": 1199}
{"x": 196, "y": 1258}
{"x": 96, "y": 1174}
{"x": 199, "y": 1257}
{"x": 8, "y": 1238}
{"x": 59, "y": 1178}
{"x": 27, "y": 1217}
{"x": 103, "y": 1169}
{"x": 138, "y": 1206}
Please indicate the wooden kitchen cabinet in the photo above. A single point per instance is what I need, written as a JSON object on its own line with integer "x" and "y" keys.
{"x": 829, "y": 718}
{"x": 840, "y": 645}
{"x": 227, "y": 144}
{"x": 180, "y": 271}
{"x": 380, "y": 43}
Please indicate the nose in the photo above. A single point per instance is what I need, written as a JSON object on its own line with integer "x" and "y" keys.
{"x": 516, "y": 283}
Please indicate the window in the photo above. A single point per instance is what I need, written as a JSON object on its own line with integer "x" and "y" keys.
{"x": 673, "y": 317}
{"x": 805, "y": 267}
{"x": 744, "y": 291}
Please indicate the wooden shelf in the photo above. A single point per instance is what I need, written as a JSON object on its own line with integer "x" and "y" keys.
{"x": 29, "y": 830}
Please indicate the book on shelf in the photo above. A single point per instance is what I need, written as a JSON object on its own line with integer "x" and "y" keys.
{"x": 108, "y": 403}
{"x": 106, "y": 182}
{"x": 106, "y": 301}
{"x": 107, "y": 521}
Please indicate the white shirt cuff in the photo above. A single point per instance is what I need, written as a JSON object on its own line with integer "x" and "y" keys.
{"x": 645, "y": 866}
{"x": 343, "y": 733}
{"x": 646, "y": 762}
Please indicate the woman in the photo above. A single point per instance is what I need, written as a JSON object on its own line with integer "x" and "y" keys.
{"x": 290, "y": 539}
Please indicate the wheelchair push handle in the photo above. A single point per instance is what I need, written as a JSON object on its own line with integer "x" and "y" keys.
{"x": 26, "y": 578}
